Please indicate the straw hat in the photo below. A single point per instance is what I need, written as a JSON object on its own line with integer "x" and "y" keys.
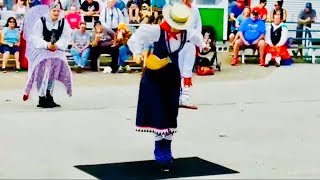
{"x": 177, "y": 15}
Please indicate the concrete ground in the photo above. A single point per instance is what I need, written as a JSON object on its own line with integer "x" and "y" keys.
{"x": 262, "y": 122}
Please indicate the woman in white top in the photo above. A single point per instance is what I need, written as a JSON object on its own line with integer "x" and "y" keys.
{"x": 19, "y": 7}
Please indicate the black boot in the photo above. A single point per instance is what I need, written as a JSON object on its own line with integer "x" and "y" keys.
{"x": 50, "y": 101}
{"x": 43, "y": 103}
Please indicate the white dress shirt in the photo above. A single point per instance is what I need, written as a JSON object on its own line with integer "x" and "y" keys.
{"x": 147, "y": 33}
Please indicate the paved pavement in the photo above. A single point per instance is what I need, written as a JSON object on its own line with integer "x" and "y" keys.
{"x": 262, "y": 122}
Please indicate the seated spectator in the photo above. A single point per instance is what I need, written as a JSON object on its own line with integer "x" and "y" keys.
{"x": 251, "y": 33}
{"x": 8, "y": 4}
{"x": 276, "y": 38}
{"x": 155, "y": 20}
{"x": 19, "y": 7}
{"x": 262, "y": 11}
{"x": 90, "y": 9}
{"x": 305, "y": 18}
{"x": 80, "y": 47}
{"x": 34, "y": 3}
{"x": 103, "y": 43}
{"x": 10, "y": 37}
{"x": 73, "y": 17}
{"x": 245, "y": 15}
{"x": 133, "y": 10}
{"x": 144, "y": 14}
{"x": 121, "y": 6}
{"x": 279, "y": 10}
{"x": 71, "y": 3}
{"x": 111, "y": 16}
{"x": 157, "y": 8}
{"x": 59, "y": 2}
{"x": 121, "y": 38}
{"x": 236, "y": 10}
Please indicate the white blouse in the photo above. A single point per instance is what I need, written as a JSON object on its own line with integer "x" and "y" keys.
{"x": 37, "y": 34}
{"x": 147, "y": 33}
{"x": 284, "y": 34}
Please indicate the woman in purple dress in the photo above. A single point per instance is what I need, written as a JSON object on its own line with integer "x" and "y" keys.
{"x": 47, "y": 34}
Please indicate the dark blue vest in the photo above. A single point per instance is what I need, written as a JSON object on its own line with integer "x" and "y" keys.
{"x": 162, "y": 48}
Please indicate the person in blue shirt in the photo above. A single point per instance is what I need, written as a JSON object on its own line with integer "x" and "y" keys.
{"x": 251, "y": 33}
{"x": 235, "y": 11}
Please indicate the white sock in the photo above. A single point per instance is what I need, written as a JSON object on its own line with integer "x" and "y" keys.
{"x": 268, "y": 58}
{"x": 158, "y": 137}
{"x": 168, "y": 137}
{"x": 278, "y": 59}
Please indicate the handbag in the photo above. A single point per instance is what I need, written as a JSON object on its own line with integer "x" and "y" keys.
{"x": 204, "y": 70}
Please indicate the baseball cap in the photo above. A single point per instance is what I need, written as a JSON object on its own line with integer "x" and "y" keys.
{"x": 241, "y": 1}
{"x": 255, "y": 12}
{"x": 309, "y": 5}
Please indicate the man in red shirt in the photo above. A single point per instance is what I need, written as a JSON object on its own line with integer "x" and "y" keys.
{"x": 261, "y": 8}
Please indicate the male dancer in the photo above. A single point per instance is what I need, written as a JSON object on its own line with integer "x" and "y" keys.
{"x": 187, "y": 57}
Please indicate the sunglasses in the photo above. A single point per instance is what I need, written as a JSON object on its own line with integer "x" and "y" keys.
{"x": 12, "y": 22}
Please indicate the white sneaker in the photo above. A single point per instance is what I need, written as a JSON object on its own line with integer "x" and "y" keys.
{"x": 128, "y": 68}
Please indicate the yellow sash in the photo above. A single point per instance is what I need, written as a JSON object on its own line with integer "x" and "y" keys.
{"x": 154, "y": 63}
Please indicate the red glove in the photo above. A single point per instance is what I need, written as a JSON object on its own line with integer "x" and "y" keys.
{"x": 187, "y": 82}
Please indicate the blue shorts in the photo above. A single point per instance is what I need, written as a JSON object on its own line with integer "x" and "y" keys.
{"x": 11, "y": 50}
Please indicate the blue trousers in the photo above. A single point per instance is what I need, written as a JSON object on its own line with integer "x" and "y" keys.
{"x": 80, "y": 59}
{"x": 124, "y": 54}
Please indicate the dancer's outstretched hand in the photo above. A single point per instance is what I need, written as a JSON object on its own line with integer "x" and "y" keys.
{"x": 52, "y": 47}
{"x": 137, "y": 58}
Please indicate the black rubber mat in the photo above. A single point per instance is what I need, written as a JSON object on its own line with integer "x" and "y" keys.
{"x": 182, "y": 168}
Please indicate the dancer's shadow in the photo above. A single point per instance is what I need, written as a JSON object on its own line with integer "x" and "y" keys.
{"x": 183, "y": 167}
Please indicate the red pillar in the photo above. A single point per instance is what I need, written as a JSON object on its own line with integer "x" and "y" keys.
{"x": 22, "y": 58}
